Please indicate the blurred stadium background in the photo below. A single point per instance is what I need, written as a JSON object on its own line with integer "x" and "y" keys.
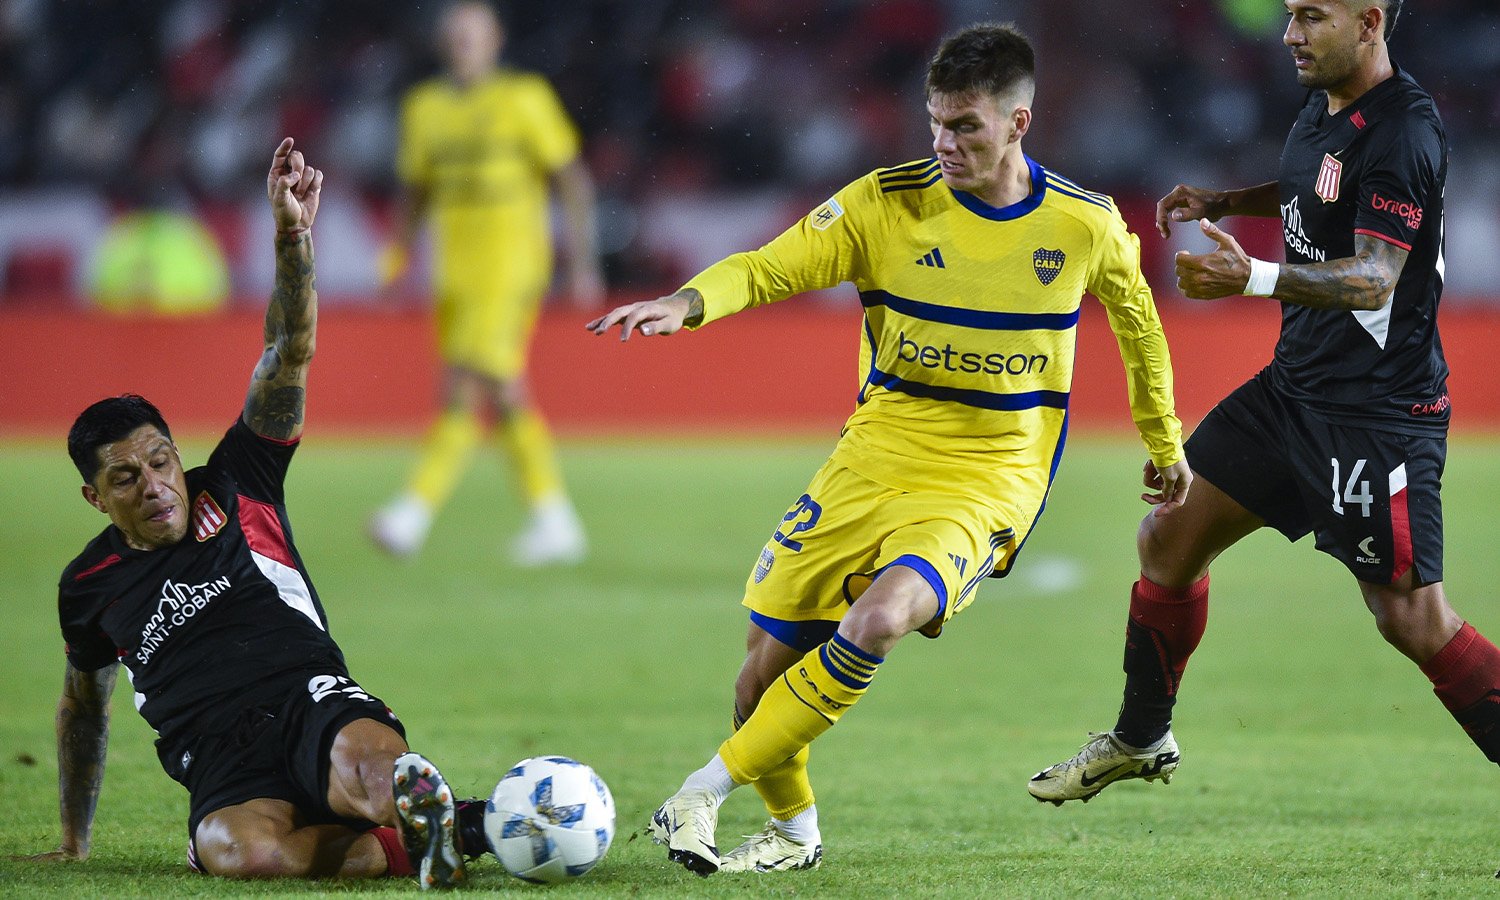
{"x": 709, "y": 127}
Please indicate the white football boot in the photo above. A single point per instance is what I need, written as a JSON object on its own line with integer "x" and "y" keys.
{"x": 1100, "y": 762}
{"x": 429, "y": 821}
{"x": 686, "y": 823}
{"x": 554, "y": 536}
{"x": 400, "y": 527}
{"x": 772, "y": 851}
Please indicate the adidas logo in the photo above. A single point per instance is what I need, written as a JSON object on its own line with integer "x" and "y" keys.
{"x": 959, "y": 563}
{"x": 933, "y": 258}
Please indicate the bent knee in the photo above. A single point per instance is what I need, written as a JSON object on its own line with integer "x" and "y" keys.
{"x": 255, "y": 857}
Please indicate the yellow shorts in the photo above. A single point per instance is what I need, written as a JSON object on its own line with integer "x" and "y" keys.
{"x": 487, "y": 332}
{"x": 846, "y": 530}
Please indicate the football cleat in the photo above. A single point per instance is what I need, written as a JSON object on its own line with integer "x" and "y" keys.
{"x": 1100, "y": 762}
{"x": 429, "y": 822}
{"x": 686, "y": 823}
{"x": 771, "y": 851}
{"x": 400, "y": 527}
{"x": 554, "y": 536}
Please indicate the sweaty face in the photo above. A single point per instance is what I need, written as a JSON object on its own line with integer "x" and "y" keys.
{"x": 1324, "y": 39}
{"x": 140, "y": 485}
{"x": 970, "y": 133}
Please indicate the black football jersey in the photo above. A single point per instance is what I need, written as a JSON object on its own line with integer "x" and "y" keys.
{"x": 211, "y": 624}
{"x": 1377, "y": 168}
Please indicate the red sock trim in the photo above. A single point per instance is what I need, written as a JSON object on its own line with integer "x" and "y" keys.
{"x": 1150, "y": 590}
{"x": 397, "y": 862}
{"x": 1465, "y": 671}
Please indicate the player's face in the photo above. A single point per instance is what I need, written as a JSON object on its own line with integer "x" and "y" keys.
{"x": 470, "y": 39}
{"x": 140, "y": 485}
{"x": 970, "y": 134}
{"x": 1324, "y": 37}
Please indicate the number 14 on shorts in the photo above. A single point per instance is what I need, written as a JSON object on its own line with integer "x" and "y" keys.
{"x": 1353, "y": 491}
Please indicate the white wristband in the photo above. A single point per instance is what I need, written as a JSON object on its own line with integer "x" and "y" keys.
{"x": 1263, "y": 275}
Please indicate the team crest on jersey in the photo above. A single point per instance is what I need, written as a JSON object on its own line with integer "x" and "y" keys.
{"x": 825, "y": 215}
{"x": 1327, "y": 187}
{"x": 1048, "y": 264}
{"x": 208, "y": 519}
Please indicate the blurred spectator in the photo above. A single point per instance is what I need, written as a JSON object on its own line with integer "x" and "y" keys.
{"x": 159, "y": 261}
{"x": 746, "y": 104}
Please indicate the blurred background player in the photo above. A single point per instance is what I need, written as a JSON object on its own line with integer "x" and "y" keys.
{"x": 197, "y": 590}
{"x": 1344, "y": 433}
{"x": 479, "y": 146}
{"x": 971, "y": 266}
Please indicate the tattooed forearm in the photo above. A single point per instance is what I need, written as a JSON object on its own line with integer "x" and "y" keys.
{"x": 694, "y": 316}
{"x": 274, "y": 407}
{"x": 82, "y": 739}
{"x": 1362, "y": 281}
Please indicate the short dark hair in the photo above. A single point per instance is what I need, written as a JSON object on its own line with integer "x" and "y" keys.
{"x": 985, "y": 58}
{"x": 105, "y": 422}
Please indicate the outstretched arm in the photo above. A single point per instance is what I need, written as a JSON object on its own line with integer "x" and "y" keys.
{"x": 1184, "y": 203}
{"x": 583, "y": 281}
{"x": 82, "y": 738}
{"x": 278, "y": 390}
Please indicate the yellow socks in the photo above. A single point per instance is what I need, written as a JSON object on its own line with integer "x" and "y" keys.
{"x": 786, "y": 790}
{"x": 798, "y": 707}
{"x": 529, "y": 443}
{"x": 446, "y": 453}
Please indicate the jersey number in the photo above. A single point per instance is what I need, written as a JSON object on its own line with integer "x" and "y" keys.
{"x": 1355, "y": 492}
{"x": 803, "y": 515}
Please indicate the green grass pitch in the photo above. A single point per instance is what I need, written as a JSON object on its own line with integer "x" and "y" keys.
{"x": 1316, "y": 760}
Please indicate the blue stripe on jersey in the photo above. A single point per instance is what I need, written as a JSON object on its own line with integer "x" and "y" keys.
{"x": 969, "y": 318}
{"x": 934, "y": 178}
{"x": 1070, "y": 183}
{"x": 908, "y": 167}
{"x": 1080, "y": 196}
{"x": 968, "y": 397}
{"x": 874, "y": 353}
{"x": 927, "y": 571}
{"x": 923, "y": 172}
{"x": 1062, "y": 439}
{"x": 1016, "y": 210}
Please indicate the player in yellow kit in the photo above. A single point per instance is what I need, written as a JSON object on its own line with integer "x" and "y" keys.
{"x": 479, "y": 146}
{"x": 971, "y": 267}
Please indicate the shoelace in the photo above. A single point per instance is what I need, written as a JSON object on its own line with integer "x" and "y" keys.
{"x": 1097, "y": 746}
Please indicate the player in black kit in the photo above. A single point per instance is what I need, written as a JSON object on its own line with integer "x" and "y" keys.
{"x": 197, "y": 590}
{"x": 1344, "y": 434}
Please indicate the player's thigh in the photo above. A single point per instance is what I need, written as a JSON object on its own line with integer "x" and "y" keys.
{"x": 1376, "y": 499}
{"x": 828, "y": 532}
{"x": 945, "y": 545}
{"x": 332, "y": 779}
{"x": 1176, "y": 549}
{"x": 246, "y": 840}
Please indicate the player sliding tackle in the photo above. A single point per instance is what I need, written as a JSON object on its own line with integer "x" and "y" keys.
{"x": 971, "y": 266}
{"x": 195, "y": 587}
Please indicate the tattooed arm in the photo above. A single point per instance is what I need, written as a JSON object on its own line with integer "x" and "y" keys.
{"x": 278, "y": 390}
{"x": 1362, "y": 281}
{"x": 82, "y": 738}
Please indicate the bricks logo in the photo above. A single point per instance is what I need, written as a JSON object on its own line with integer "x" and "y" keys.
{"x": 1411, "y": 212}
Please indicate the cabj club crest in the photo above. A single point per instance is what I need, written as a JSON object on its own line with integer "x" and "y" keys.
{"x": 1048, "y": 264}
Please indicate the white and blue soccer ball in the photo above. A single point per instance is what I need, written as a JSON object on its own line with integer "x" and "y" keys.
{"x": 550, "y": 819}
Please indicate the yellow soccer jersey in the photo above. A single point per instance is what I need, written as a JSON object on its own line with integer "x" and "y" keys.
{"x": 970, "y": 310}
{"x": 483, "y": 155}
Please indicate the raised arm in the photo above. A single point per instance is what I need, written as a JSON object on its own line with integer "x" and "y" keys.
{"x": 277, "y": 398}
{"x": 82, "y": 738}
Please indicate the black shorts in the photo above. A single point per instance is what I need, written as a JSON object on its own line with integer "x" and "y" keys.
{"x": 274, "y": 750}
{"x": 1369, "y": 495}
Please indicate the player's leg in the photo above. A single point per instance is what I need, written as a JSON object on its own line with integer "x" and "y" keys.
{"x": 400, "y": 527}
{"x": 267, "y": 838}
{"x": 553, "y": 533}
{"x": 1243, "y": 481}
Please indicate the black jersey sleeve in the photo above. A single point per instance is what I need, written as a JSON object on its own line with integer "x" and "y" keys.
{"x": 257, "y": 464}
{"x": 87, "y": 646}
{"x": 1398, "y": 177}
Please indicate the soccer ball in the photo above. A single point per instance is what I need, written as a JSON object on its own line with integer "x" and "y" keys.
{"x": 550, "y": 819}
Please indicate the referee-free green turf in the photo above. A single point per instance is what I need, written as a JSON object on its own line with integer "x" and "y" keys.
{"x": 1315, "y": 759}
